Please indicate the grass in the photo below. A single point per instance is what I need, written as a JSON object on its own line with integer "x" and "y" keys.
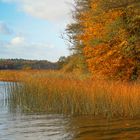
{"x": 56, "y": 92}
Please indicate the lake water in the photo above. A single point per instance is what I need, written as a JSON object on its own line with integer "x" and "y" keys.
{"x": 26, "y": 126}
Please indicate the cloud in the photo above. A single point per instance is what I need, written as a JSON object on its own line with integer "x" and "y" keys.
{"x": 4, "y": 29}
{"x": 53, "y": 10}
{"x": 17, "y": 41}
{"x": 20, "y": 47}
{"x": 22, "y": 42}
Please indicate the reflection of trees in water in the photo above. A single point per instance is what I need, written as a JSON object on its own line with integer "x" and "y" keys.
{"x": 90, "y": 128}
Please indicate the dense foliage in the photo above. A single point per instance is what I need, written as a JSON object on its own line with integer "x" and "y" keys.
{"x": 107, "y": 34}
{"x": 26, "y": 64}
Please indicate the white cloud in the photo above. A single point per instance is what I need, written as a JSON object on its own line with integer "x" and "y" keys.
{"x": 4, "y": 29}
{"x": 56, "y": 11}
{"x": 53, "y": 10}
{"x": 20, "y": 47}
{"x": 17, "y": 41}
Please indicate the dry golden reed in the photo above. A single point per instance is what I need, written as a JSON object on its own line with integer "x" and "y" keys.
{"x": 56, "y": 92}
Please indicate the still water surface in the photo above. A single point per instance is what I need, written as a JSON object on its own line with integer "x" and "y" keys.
{"x": 24, "y": 126}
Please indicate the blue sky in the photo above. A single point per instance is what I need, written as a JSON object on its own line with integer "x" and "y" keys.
{"x": 31, "y": 29}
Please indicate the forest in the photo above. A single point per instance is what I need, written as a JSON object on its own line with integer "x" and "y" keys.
{"x": 21, "y": 64}
{"x": 105, "y": 38}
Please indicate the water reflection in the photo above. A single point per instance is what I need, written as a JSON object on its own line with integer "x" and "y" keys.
{"x": 16, "y": 125}
{"x": 88, "y": 128}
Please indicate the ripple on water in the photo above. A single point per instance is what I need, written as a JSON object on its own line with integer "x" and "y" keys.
{"x": 88, "y": 128}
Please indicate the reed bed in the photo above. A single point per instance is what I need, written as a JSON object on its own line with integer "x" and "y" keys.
{"x": 55, "y": 92}
{"x": 21, "y": 75}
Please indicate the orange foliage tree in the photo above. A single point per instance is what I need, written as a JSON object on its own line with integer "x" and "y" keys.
{"x": 109, "y": 38}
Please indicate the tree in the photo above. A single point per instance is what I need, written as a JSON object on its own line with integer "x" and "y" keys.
{"x": 106, "y": 33}
{"x": 73, "y": 31}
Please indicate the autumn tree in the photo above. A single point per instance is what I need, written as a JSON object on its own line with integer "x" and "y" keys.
{"x": 73, "y": 31}
{"x": 107, "y": 33}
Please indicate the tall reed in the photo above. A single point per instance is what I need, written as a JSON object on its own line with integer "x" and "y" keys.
{"x": 68, "y": 94}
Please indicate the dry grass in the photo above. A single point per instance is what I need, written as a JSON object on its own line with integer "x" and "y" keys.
{"x": 55, "y": 92}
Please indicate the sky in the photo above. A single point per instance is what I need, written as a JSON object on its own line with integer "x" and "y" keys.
{"x": 31, "y": 29}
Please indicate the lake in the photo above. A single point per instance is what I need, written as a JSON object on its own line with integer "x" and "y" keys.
{"x": 16, "y": 125}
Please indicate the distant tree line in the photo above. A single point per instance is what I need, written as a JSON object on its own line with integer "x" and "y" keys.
{"x": 18, "y": 64}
